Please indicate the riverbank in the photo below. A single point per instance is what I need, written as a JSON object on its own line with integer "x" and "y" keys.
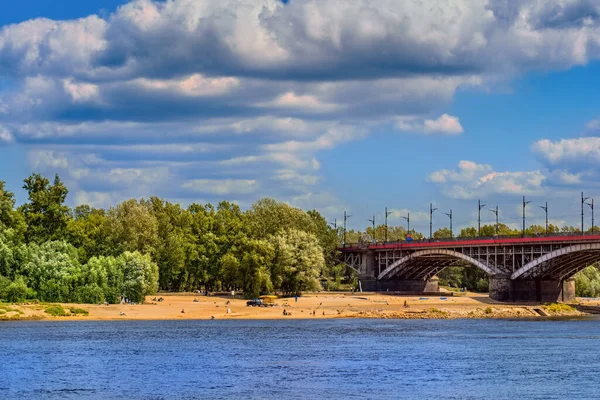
{"x": 311, "y": 306}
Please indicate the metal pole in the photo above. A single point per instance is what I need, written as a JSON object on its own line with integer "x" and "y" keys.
{"x": 450, "y": 216}
{"x": 431, "y": 210}
{"x": 386, "y": 224}
{"x": 408, "y": 222}
{"x": 345, "y": 218}
{"x": 385, "y": 235}
{"x": 524, "y": 204}
{"x": 479, "y": 206}
{"x": 373, "y": 222}
{"x": 545, "y": 208}
{"x": 496, "y": 212}
{"x": 592, "y": 207}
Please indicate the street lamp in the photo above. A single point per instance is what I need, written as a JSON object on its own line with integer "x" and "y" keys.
{"x": 583, "y": 199}
{"x": 524, "y": 204}
{"x": 386, "y": 224}
{"x": 431, "y": 210}
{"x": 592, "y": 207}
{"x": 345, "y": 218}
{"x": 450, "y": 216}
{"x": 373, "y": 222}
{"x": 480, "y": 206}
{"x": 545, "y": 208}
{"x": 407, "y": 218}
{"x": 496, "y": 212}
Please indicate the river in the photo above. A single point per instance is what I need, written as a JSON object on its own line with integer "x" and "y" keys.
{"x": 301, "y": 359}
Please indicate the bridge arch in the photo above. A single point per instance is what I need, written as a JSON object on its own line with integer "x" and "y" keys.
{"x": 394, "y": 267}
{"x": 555, "y": 254}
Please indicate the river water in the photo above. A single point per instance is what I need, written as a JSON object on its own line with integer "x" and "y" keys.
{"x": 301, "y": 359}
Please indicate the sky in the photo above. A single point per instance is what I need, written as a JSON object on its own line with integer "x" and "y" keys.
{"x": 325, "y": 104}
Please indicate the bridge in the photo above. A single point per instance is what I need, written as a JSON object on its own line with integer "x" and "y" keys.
{"x": 520, "y": 268}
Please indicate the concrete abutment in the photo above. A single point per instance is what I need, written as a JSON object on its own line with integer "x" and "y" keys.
{"x": 502, "y": 288}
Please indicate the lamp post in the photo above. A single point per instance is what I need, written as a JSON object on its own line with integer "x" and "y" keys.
{"x": 524, "y": 205}
{"x": 345, "y": 218}
{"x": 450, "y": 216}
{"x": 407, "y": 218}
{"x": 583, "y": 199}
{"x": 592, "y": 207}
{"x": 545, "y": 208}
{"x": 386, "y": 224}
{"x": 431, "y": 210}
{"x": 480, "y": 206}
{"x": 373, "y": 222}
{"x": 496, "y": 212}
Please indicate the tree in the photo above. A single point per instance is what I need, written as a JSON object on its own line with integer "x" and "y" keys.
{"x": 87, "y": 231}
{"x": 140, "y": 276}
{"x": 468, "y": 232}
{"x": 442, "y": 233}
{"x": 131, "y": 226}
{"x": 54, "y": 271}
{"x": 46, "y": 214}
{"x": 298, "y": 259}
{"x": 254, "y": 267}
{"x": 267, "y": 217}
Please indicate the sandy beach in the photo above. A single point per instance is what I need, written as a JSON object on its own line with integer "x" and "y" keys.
{"x": 310, "y": 306}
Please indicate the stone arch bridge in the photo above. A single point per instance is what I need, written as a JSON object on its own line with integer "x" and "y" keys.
{"x": 521, "y": 269}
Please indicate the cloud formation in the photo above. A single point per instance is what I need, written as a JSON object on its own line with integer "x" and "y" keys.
{"x": 218, "y": 94}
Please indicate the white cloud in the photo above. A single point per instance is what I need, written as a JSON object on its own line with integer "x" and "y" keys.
{"x": 473, "y": 180}
{"x": 578, "y": 150}
{"x": 5, "y": 135}
{"x": 222, "y": 187}
{"x": 445, "y": 124}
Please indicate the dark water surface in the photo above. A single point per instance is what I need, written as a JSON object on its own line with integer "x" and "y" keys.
{"x": 333, "y": 359}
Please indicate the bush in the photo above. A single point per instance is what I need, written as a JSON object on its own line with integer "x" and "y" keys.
{"x": 76, "y": 311}
{"x": 56, "y": 311}
{"x": 18, "y": 291}
{"x": 559, "y": 308}
{"x": 488, "y": 310}
{"x": 89, "y": 294}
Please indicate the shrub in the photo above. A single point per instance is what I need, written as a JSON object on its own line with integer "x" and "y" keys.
{"x": 558, "y": 308}
{"x": 488, "y": 310}
{"x": 76, "y": 311}
{"x": 56, "y": 311}
{"x": 89, "y": 294}
{"x": 18, "y": 291}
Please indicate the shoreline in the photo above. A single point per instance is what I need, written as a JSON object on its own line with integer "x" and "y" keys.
{"x": 309, "y": 306}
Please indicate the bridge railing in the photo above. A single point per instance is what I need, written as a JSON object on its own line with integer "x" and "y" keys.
{"x": 459, "y": 239}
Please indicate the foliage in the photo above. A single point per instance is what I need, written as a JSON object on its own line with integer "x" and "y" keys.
{"x": 587, "y": 282}
{"x": 56, "y": 311}
{"x": 92, "y": 255}
{"x": 559, "y": 308}
{"x": 78, "y": 311}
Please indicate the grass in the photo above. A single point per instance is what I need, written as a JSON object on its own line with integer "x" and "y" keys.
{"x": 437, "y": 311}
{"x": 78, "y": 311}
{"x": 56, "y": 311}
{"x": 559, "y": 308}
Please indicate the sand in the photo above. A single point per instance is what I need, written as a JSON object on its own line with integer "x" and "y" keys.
{"x": 324, "y": 305}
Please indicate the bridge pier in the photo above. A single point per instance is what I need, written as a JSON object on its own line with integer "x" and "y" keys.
{"x": 502, "y": 288}
{"x": 373, "y": 285}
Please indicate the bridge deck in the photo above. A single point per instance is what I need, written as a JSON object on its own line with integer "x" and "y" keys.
{"x": 460, "y": 242}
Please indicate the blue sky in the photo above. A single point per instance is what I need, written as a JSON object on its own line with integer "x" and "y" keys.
{"x": 330, "y": 105}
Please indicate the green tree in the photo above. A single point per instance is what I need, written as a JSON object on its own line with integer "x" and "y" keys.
{"x": 298, "y": 259}
{"x": 442, "y": 233}
{"x": 46, "y": 214}
{"x": 254, "y": 267}
{"x": 131, "y": 226}
{"x": 140, "y": 276}
{"x": 54, "y": 271}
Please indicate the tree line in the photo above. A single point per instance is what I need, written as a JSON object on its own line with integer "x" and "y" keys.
{"x": 51, "y": 252}
{"x": 54, "y": 253}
